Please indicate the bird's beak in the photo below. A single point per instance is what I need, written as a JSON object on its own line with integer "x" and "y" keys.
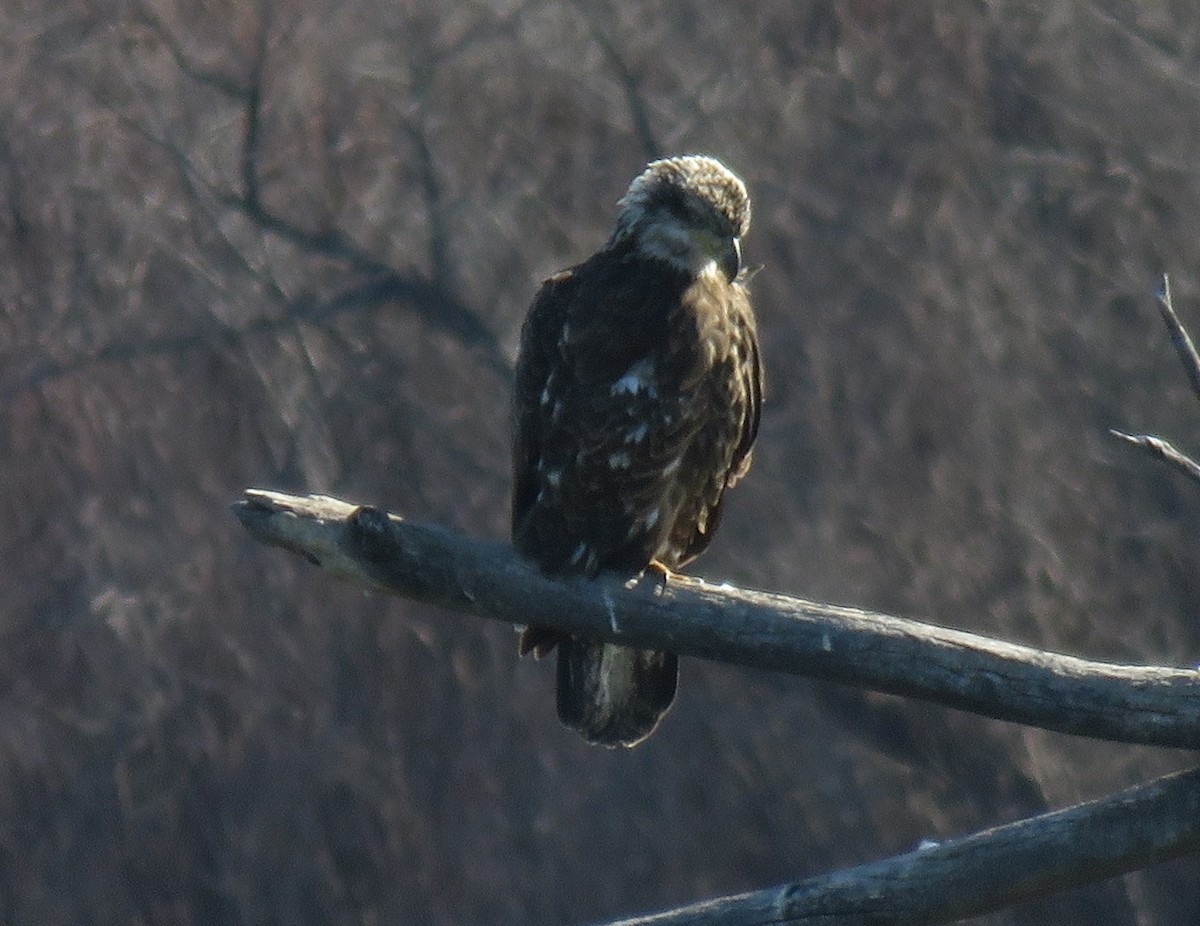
{"x": 731, "y": 259}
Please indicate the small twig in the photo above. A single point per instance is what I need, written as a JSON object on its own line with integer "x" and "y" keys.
{"x": 1141, "y": 704}
{"x": 1156, "y": 446}
{"x": 1179, "y": 336}
{"x": 1163, "y": 450}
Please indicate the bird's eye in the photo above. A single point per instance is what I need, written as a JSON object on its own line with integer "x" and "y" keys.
{"x": 731, "y": 261}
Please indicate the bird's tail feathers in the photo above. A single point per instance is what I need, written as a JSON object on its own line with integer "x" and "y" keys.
{"x": 613, "y": 695}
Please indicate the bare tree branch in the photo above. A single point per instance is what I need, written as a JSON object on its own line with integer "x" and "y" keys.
{"x": 435, "y": 304}
{"x": 189, "y": 67}
{"x": 1186, "y": 350}
{"x": 631, "y": 86}
{"x": 1139, "y": 704}
{"x": 1179, "y": 336}
{"x": 430, "y": 298}
{"x": 975, "y": 874}
{"x": 251, "y": 198}
{"x": 439, "y": 237}
{"x": 1163, "y": 450}
{"x": 306, "y": 309}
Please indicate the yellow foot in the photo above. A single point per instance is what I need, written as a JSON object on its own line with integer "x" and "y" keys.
{"x": 665, "y": 571}
{"x": 660, "y": 575}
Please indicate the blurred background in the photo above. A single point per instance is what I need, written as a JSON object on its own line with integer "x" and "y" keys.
{"x": 290, "y": 244}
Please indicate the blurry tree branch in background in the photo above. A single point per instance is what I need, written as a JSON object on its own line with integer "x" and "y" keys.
{"x": 1190, "y": 359}
{"x": 936, "y": 883}
{"x": 630, "y": 82}
{"x": 1138, "y": 704}
{"x": 430, "y": 297}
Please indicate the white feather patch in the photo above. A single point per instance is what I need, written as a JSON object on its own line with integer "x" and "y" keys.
{"x": 637, "y": 379}
{"x": 644, "y": 523}
{"x": 638, "y": 434}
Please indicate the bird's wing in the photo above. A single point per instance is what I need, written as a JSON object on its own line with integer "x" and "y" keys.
{"x": 539, "y": 345}
{"x": 600, "y": 403}
{"x": 753, "y": 379}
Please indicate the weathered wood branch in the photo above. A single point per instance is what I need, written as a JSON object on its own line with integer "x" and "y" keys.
{"x": 1140, "y": 704}
{"x": 986, "y": 871}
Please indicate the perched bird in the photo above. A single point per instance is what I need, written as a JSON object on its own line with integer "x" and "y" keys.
{"x": 638, "y": 389}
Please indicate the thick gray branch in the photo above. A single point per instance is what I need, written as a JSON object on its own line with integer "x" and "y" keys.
{"x": 978, "y": 873}
{"x": 1138, "y": 704}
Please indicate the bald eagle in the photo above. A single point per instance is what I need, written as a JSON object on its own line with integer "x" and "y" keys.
{"x": 638, "y": 390}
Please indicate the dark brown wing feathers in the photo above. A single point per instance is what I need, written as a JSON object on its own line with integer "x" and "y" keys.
{"x": 622, "y": 411}
{"x": 637, "y": 402}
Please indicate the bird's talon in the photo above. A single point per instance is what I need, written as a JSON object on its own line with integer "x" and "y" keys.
{"x": 660, "y": 575}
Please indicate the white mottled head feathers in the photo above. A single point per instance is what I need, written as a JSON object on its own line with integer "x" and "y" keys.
{"x": 704, "y": 181}
{"x": 689, "y": 211}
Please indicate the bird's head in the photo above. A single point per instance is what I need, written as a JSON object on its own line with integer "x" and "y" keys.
{"x": 690, "y": 212}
